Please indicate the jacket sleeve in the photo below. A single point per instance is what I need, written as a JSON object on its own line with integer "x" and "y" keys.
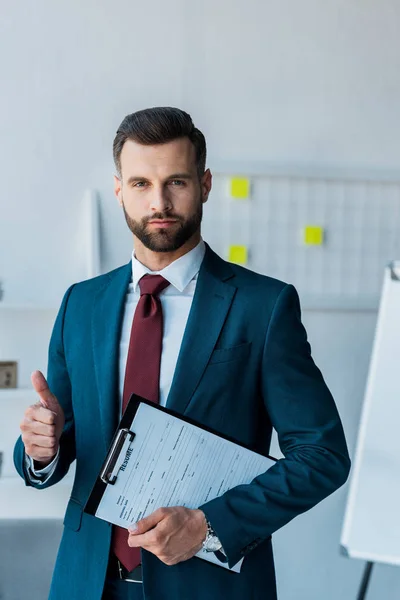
{"x": 302, "y": 411}
{"x": 60, "y": 385}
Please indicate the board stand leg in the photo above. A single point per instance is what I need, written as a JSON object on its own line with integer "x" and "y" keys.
{"x": 362, "y": 593}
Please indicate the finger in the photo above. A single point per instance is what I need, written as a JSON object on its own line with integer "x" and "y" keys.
{"x": 44, "y": 441}
{"x": 148, "y": 522}
{"x": 37, "y": 412}
{"x": 144, "y": 540}
{"x": 39, "y": 453}
{"x": 134, "y": 541}
{"x": 41, "y": 386}
{"x": 41, "y": 441}
{"x": 43, "y": 429}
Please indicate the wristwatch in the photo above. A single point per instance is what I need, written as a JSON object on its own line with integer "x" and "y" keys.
{"x": 211, "y": 543}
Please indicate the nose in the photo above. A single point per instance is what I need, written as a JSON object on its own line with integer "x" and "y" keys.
{"x": 160, "y": 201}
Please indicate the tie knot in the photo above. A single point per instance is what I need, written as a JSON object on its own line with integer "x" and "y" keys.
{"x": 152, "y": 284}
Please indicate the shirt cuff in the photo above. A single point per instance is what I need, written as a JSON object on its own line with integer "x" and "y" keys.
{"x": 41, "y": 475}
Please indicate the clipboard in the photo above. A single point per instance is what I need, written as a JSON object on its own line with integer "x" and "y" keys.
{"x": 159, "y": 457}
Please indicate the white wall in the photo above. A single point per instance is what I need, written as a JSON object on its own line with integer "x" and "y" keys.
{"x": 289, "y": 83}
{"x": 284, "y": 82}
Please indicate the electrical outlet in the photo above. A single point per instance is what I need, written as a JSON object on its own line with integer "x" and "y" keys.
{"x": 8, "y": 374}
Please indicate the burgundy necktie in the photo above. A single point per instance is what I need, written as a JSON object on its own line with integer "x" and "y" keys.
{"x": 142, "y": 377}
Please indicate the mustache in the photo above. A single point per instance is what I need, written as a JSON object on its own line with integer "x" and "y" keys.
{"x": 160, "y": 217}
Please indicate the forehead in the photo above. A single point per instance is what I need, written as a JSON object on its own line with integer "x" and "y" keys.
{"x": 173, "y": 157}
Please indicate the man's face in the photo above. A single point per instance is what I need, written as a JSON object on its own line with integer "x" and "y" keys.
{"x": 161, "y": 194}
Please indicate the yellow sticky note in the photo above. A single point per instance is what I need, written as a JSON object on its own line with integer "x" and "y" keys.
{"x": 238, "y": 254}
{"x": 313, "y": 236}
{"x": 240, "y": 187}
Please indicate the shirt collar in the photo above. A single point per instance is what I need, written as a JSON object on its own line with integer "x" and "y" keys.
{"x": 179, "y": 273}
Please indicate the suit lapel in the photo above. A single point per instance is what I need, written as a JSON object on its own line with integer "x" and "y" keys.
{"x": 108, "y": 313}
{"x": 211, "y": 302}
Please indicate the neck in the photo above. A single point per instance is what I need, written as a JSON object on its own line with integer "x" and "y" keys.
{"x": 156, "y": 261}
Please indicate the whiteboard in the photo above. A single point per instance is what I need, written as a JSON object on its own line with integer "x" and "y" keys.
{"x": 360, "y": 218}
{"x": 371, "y": 528}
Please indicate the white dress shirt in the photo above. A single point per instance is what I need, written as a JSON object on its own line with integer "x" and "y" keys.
{"x": 176, "y": 301}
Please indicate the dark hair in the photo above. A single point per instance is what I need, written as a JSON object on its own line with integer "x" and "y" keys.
{"x": 159, "y": 125}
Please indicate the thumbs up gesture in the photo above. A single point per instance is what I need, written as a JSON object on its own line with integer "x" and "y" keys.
{"x": 42, "y": 424}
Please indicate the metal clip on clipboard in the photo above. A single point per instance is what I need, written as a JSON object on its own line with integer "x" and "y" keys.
{"x": 106, "y": 473}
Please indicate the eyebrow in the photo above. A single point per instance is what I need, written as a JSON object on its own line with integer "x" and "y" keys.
{"x": 135, "y": 178}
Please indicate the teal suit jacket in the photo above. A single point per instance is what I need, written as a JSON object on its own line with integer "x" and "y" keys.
{"x": 244, "y": 367}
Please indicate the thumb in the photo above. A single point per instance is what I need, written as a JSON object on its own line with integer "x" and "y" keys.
{"x": 47, "y": 399}
{"x": 147, "y": 522}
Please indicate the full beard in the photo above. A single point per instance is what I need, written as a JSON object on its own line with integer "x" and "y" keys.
{"x": 165, "y": 240}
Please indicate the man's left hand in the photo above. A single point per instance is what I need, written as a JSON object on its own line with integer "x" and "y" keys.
{"x": 173, "y": 534}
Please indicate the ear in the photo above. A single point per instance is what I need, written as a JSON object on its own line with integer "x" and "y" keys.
{"x": 117, "y": 189}
{"x": 206, "y": 184}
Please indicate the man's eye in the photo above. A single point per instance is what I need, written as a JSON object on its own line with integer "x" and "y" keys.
{"x": 139, "y": 184}
{"x": 177, "y": 182}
